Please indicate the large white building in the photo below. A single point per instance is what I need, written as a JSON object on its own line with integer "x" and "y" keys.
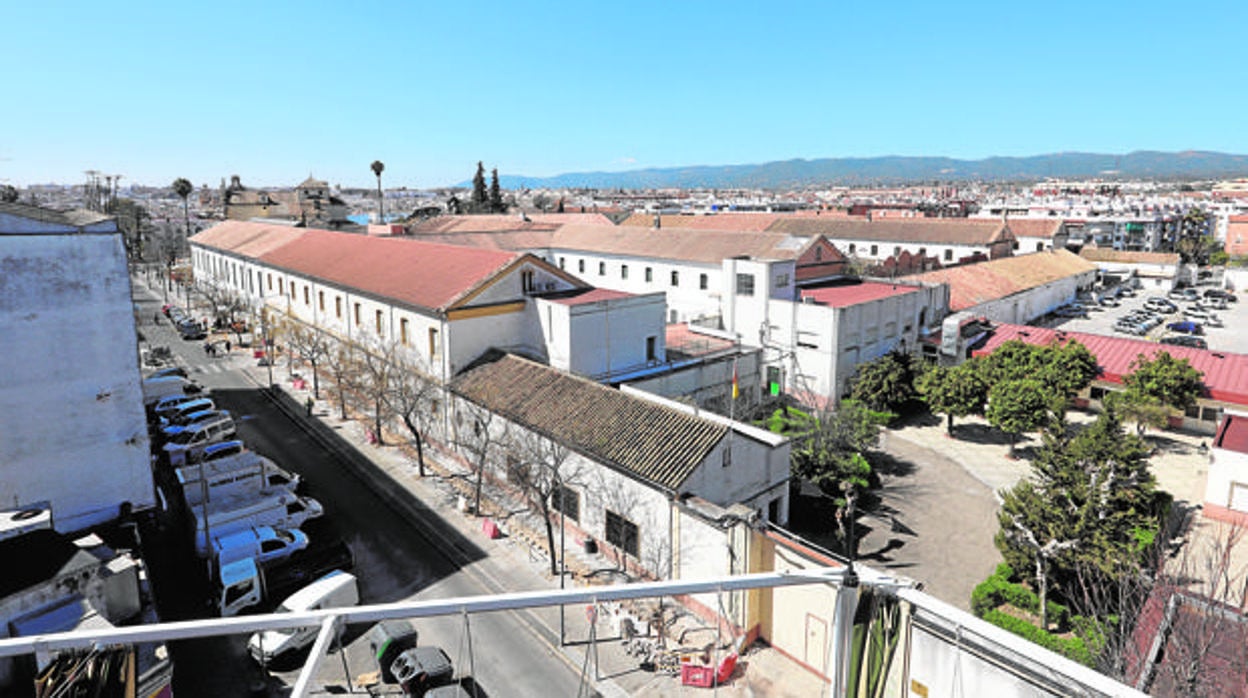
{"x": 75, "y": 435}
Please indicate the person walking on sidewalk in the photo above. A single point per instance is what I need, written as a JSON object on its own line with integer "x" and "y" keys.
{"x": 308, "y": 405}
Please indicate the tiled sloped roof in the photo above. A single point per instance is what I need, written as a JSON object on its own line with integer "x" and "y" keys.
{"x": 684, "y": 244}
{"x": 247, "y": 239}
{"x": 931, "y": 231}
{"x": 1225, "y": 374}
{"x": 504, "y": 222}
{"x": 1102, "y": 254}
{"x": 420, "y": 274}
{"x": 1044, "y": 228}
{"x": 651, "y": 441}
{"x": 509, "y": 240}
{"x": 748, "y": 222}
{"x": 973, "y": 284}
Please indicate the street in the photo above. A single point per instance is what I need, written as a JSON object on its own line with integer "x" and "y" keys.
{"x": 402, "y": 550}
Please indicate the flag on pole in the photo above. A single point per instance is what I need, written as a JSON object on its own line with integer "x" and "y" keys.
{"x": 735, "y": 390}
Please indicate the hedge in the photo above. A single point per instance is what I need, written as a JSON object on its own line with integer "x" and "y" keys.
{"x": 1071, "y": 648}
{"x": 998, "y": 589}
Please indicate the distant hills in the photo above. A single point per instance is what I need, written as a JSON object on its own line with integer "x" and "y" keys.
{"x": 894, "y": 169}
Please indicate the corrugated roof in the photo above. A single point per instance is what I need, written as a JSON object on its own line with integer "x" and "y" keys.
{"x": 653, "y": 442}
{"x": 929, "y": 231}
{"x": 1225, "y": 374}
{"x": 842, "y": 296}
{"x": 1233, "y": 434}
{"x": 973, "y": 284}
{"x": 684, "y": 244}
{"x": 1102, "y": 254}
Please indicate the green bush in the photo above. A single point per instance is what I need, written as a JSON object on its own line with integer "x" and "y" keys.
{"x": 1072, "y": 648}
{"x": 998, "y": 589}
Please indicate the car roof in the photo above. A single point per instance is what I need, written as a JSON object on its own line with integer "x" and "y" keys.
{"x": 316, "y": 590}
{"x": 222, "y": 446}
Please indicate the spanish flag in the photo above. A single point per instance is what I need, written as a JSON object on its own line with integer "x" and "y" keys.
{"x": 735, "y": 390}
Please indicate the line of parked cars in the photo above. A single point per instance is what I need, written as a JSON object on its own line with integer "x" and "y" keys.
{"x": 188, "y": 327}
{"x": 244, "y": 514}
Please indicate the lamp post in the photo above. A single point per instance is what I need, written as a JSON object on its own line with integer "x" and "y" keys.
{"x": 562, "y": 560}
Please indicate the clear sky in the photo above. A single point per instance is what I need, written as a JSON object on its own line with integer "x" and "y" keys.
{"x": 274, "y": 91}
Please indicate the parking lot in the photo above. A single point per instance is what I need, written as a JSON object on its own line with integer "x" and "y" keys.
{"x": 1232, "y": 336}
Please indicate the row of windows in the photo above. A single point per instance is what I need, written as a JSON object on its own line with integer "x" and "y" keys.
{"x": 620, "y": 532}
{"x": 674, "y": 278}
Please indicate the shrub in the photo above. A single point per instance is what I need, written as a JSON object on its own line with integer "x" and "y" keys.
{"x": 1072, "y": 648}
{"x": 998, "y": 589}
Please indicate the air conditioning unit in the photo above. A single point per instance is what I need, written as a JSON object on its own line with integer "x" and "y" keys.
{"x": 33, "y": 517}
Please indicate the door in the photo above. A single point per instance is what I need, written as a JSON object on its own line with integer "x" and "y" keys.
{"x": 816, "y": 643}
{"x": 1239, "y": 496}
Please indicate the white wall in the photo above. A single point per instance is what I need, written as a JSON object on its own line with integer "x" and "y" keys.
{"x": 602, "y": 338}
{"x": 686, "y": 299}
{"x": 70, "y": 400}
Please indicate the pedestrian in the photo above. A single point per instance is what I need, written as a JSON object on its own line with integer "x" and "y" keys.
{"x": 156, "y": 318}
{"x": 227, "y": 346}
{"x": 308, "y": 404}
{"x": 207, "y": 349}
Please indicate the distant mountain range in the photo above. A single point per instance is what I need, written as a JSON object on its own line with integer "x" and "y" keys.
{"x": 894, "y": 169}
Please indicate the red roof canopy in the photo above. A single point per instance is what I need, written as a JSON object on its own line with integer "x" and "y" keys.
{"x": 1225, "y": 374}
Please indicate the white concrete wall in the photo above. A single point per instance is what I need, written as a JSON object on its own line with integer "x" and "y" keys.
{"x": 1227, "y": 470}
{"x": 686, "y": 299}
{"x": 1023, "y": 307}
{"x": 880, "y": 250}
{"x": 708, "y": 382}
{"x": 603, "y": 338}
{"x": 70, "y": 399}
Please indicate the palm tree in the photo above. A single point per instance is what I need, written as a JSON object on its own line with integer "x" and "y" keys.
{"x": 183, "y": 188}
{"x": 378, "y": 167}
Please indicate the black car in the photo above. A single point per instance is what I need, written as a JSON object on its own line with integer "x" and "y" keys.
{"x": 1186, "y": 341}
{"x": 1220, "y": 293}
{"x": 190, "y": 329}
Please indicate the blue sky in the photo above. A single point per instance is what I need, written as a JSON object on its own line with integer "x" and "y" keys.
{"x": 275, "y": 91}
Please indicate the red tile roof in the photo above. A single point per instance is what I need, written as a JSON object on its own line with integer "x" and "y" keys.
{"x": 742, "y": 222}
{"x": 853, "y": 294}
{"x": 584, "y": 297}
{"x": 247, "y": 239}
{"x": 948, "y": 231}
{"x": 702, "y": 246}
{"x": 679, "y": 339}
{"x": 1035, "y": 227}
{"x": 1225, "y": 374}
{"x": 973, "y": 284}
{"x": 1233, "y": 434}
{"x": 1101, "y": 254}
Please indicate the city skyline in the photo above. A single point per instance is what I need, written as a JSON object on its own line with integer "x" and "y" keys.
{"x": 275, "y": 93}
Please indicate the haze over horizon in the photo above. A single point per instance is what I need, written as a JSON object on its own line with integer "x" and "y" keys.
{"x": 273, "y": 93}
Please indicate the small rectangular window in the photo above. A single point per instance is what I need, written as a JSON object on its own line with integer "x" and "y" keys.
{"x": 435, "y": 347}
{"x": 675, "y": 278}
{"x": 622, "y": 533}
{"x": 403, "y": 331}
{"x": 377, "y": 321}
{"x": 745, "y": 284}
{"x": 649, "y": 275}
{"x": 602, "y": 269}
{"x": 875, "y": 250}
{"x": 702, "y": 281}
{"x": 338, "y": 307}
{"x": 623, "y": 271}
{"x": 651, "y": 348}
{"x": 307, "y": 295}
{"x": 320, "y": 300}
{"x": 580, "y": 266}
{"x": 357, "y": 314}
{"x": 562, "y": 262}
{"x": 782, "y": 281}
{"x": 948, "y": 255}
{"x": 567, "y": 500}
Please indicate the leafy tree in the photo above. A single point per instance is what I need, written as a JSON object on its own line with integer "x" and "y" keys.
{"x": 829, "y": 446}
{"x": 479, "y": 196}
{"x": 496, "y": 194}
{"x": 1068, "y": 368}
{"x": 1172, "y": 382}
{"x": 378, "y": 167}
{"x": 887, "y": 383}
{"x": 1030, "y": 525}
{"x": 183, "y": 188}
{"x": 1013, "y": 360}
{"x": 955, "y": 392}
{"x": 9, "y": 194}
{"x": 1017, "y": 406}
{"x": 1144, "y": 410}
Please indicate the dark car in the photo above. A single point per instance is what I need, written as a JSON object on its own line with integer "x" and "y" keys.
{"x": 1220, "y": 293}
{"x": 1186, "y": 341}
{"x": 1186, "y": 327}
{"x": 190, "y": 329}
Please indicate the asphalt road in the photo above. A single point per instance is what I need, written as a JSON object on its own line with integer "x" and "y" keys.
{"x": 401, "y": 552}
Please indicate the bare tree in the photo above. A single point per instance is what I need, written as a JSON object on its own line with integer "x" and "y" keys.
{"x": 1043, "y": 550}
{"x": 479, "y": 434}
{"x": 343, "y": 366}
{"x": 376, "y": 363}
{"x": 312, "y": 346}
{"x": 625, "y": 503}
{"x": 541, "y": 468}
{"x": 413, "y": 398}
{"x": 223, "y": 301}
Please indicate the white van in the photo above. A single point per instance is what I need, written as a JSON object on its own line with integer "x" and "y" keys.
{"x": 191, "y": 441}
{"x": 247, "y": 473}
{"x": 260, "y": 543}
{"x": 283, "y": 510}
{"x": 337, "y": 589}
{"x": 178, "y": 414}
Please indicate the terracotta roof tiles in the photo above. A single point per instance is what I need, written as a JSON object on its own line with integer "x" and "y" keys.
{"x": 1101, "y": 254}
{"x": 684, "y": 244}
{"x": 650, "y": 441}
{"x": 973, "y": 284}
{"x": 930, "y": 231}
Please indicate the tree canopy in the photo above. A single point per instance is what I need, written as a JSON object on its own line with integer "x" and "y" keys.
{"x": 479, "y": 196}
{"x": 955, "y": 392}
{"x": 886, "y": 384}
{"x": 1018, "y": 406}
{"x": 1170, "y": 381}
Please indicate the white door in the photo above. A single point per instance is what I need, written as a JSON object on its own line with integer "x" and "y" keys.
{"x": 1239, "y": 496}
{"x": 816, "y": 643}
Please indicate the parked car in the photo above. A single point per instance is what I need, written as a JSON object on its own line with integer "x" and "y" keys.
{"x": 1195, "y": 311}
{"x": 191, "y": 329}
{"x": 1184, "y": 340}
{"x": 1215, "y": 302}
{"x": 1071, "y": 310}
{"x": 1108, "y": 301}
{"x": 1183, "y": 294}
{"x": 1185, "y": 327}
{"x": 335, "y": 590}
{"x": 1212, "y": 320}
{"x": 166, "y": 372}
{"x": 1221, "y": 293}
{"x": 1160, "y": 304}
{"x": 1129, "y": 328}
